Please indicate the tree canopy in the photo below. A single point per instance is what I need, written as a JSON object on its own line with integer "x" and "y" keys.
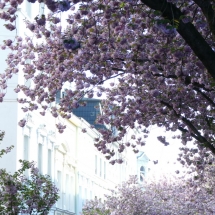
{"x": 161, "y": 197}
{"x": 35, "y": 194}
{"x": 19, "y": 193}
{"x": 157, "y": 56}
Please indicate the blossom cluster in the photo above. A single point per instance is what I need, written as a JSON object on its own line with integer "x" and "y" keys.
{"x": 20, "y": 194}
{"x": 159, "y": 65}
{"x": 164, "y": 196}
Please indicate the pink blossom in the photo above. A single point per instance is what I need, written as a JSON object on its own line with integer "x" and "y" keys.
{"x": 84, "y": 130}
{"x": 22, "y": 123}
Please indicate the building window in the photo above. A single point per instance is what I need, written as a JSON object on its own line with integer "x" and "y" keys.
{"x": 59, "y": 186}
{"x": 26, "y": 152}
{"x": 71, "y": 190}
{"x": 104, "y": 169}
{"x": 96, "y": 166}
{"x": 58, "y": 96}
{"x": 80, "y": 197}
{"x": 67, "y": 192}
{"x": 40, "y": 153}
{"x": 100, "y": 165}
{"x": 142, "y": 173}
{"x": 28, "y": 8}
{"x": 26, "y": 148}
{"x": 49, "y": 164}
{"x": 85, "y": 195}
{"x": 114, "y": 131}
{"x": 59, "y": 180}
{"x": 40, "y": 157}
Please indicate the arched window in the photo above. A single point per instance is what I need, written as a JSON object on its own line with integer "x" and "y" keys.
{"x": 142, "y": 173}
{"x": 142, "y": 169}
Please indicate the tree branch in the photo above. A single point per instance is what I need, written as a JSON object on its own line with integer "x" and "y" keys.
{"x": 202, "y": 86}
{"x": 185, "y": 130}
{"x": 117, "y": 69}
{"x": 195, "y": 133}
{"x": 101, "y": 82}
{"x": 205, "y": 96}
{"x": 161, "y": 75}
{"x": 188, "y": 32}
{"x": 208, "y": 12}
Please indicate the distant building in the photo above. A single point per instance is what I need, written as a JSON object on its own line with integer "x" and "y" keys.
{"x": 74, "y": 164}
{"x": 90, "y": 111}
{"x": 142, "y": 166}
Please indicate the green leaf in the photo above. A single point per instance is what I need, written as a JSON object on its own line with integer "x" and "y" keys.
{"x": 157, "y": 13}
{"x": 122, "y": 5}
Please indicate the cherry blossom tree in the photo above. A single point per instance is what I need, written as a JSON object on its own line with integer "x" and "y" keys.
{"x": 20, "y": 194}
{"x": 35, "y": 194}
{"x": 161, "y": 197}
{"x": 157, "y": 56}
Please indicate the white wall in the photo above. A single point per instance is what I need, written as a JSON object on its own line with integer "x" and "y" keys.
{"x": 73, "y": 152}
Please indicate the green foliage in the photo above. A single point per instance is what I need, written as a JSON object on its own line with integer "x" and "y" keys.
{"x": 122, "y": 5}
{"x": 1, "y": 135}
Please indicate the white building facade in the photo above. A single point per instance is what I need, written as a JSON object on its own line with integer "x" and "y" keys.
{"x": 80, "y": 171}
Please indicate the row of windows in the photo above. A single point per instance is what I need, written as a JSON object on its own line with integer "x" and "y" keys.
{"x": 65, "y": 185}
{"x": 100, "y": 167}
{"x": 42, "y": 154}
